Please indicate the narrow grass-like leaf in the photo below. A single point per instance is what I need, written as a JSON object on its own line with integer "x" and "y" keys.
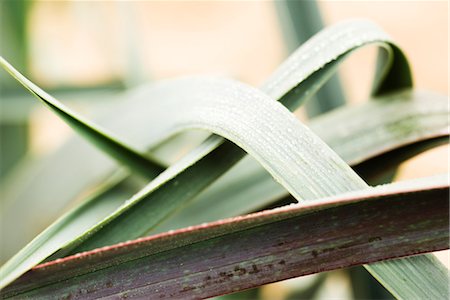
{"x": 317, "y": 59}
{"x": 244, "y": 252}
{"x": 261, "y": 188}
{"x": 355, "y": 133}
{"x": 34, "y": 185}
{"x": 261, "y": 124}
{"x": 308, "y": 60}
{"x": 346, "y": 131}
{"x": 376, "y": 171}
{"x": 348, "y": 42}
{"x": 304, "y": 65}
{"x": 301, "y": 20}
{"x": 146, "y": 166}
{"x": 404, "y": 270}
{"x": 141, "y": 208}
{"x": 400, "y": 116}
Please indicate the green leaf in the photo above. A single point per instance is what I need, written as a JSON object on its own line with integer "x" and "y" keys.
{"x": 433, "y": 276}
{"x": 146, "y": 166}
{"x": 356, "y": 133}
{"x": 260, "y": 125}
{"x": 332, "y": 43}
{"x": 334, "y": 176}
{"x": 307, "y": 69}
{"x": 300, "y": 20}
{"x": 259, "y": 188}
{"x": 244, "y": 252}
{"x": 40, "y": 186}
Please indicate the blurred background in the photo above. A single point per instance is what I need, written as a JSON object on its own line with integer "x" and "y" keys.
{"x": 85, "y": 52}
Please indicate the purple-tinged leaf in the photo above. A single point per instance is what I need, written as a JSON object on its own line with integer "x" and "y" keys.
{"x": 239, "y": 253}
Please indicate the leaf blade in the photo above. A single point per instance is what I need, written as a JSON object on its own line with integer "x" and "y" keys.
{"x": 264, "y": 182}
{"x": 348, "y": 131}
{"x": 281, "y": 254}
{"x": 330, "y": 62}
{"x": 146, "y": 166}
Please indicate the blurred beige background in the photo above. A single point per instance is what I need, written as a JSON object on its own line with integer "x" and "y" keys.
{"x": 87, "y": 42}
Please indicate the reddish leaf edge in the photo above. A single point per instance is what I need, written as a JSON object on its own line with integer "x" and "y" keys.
{"x": 414, "y": 221}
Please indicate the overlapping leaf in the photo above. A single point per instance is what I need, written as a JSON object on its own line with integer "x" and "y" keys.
{"x": 334, "y": 42}
{"x": 337, "y": 179}
{"x": 355, "y": 133}
{"x": 104, "y": 140}
{"x": 230, "y": 255}
{"x": 262, "y": 189}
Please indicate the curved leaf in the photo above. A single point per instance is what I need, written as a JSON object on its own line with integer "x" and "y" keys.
{"x": 336, "y": 181}
{"x": 146, "y": 166}
{"x": 356, "y": 134}
{"x": 306, "y": 65}
{"x": 259, "y": 188}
